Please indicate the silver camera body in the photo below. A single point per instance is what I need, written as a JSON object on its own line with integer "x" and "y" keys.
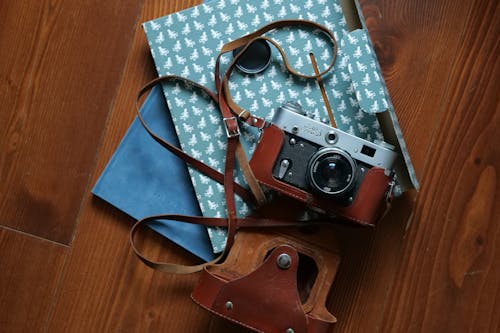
{"x": 324, "y": 159}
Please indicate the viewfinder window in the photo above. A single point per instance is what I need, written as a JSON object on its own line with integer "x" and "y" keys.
{"x": 369, "y": 151}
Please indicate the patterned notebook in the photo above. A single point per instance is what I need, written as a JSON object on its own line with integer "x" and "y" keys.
{"x": 186, "y": 44}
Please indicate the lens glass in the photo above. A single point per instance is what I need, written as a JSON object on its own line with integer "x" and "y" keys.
{"x": 332, "y": 173}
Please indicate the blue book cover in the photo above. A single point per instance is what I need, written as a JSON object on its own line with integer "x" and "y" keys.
{"x": 143, "y": 178}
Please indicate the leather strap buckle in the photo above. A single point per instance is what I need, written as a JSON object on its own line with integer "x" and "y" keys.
{"x": 231, "y": 127}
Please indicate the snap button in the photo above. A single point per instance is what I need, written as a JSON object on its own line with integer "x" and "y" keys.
{"x": 284, "y": 261}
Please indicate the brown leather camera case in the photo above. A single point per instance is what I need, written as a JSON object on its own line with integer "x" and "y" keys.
{"x": 253, "y": 290}
{"x": 366, "y": 207}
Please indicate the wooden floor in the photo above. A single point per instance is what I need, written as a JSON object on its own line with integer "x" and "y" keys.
{"x": 69, "y": 71}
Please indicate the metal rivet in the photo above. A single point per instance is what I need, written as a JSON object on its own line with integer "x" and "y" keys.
{"x": 295, "y": 129}
{"x": 397, "y": 191}
{"x": 284, "y": 261}
{"x": 229, "y": 305}
{"x": 289, "y": 330}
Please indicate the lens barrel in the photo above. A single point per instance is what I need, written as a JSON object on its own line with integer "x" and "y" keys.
{"x": 331, "y": 171}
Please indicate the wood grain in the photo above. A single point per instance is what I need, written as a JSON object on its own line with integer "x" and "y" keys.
{"x": 31, "y": 269}
{"x": 451, "y": 256}
{"x": 415, "y": 43}
{"x": 472, "y": 229}
{"x": 436, "y": 273}
{"x": 414, "y": 75}
{"x": 61, "y": 62}
{"x": 105, "y": 283}
{"x": 112, "y": 290}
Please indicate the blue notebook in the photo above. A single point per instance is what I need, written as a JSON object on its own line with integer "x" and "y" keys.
{"x": 143, "y": 178}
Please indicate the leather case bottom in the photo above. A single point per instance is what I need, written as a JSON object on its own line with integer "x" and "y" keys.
{"x": 273, "y": 282}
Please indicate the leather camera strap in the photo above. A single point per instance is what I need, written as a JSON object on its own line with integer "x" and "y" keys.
{"x": 247, "y": 222}
{"x": 231, "y": 114}
{"x": 200, "y": 166}
{"x": 226, "y": 179}
{"x": 244, "y": 42}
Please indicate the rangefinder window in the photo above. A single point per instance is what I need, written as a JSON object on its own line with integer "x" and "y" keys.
{"x": 368, "y": 151}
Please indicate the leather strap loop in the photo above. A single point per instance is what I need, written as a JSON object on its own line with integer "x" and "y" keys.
{"x": 230, "y": 186}
{"x": 247, "y": 222}
{"x": 245, "y": 41}
{"x": 200, "y": 166}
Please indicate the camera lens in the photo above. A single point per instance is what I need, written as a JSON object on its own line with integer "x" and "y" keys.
{"x": 331, "y": 171}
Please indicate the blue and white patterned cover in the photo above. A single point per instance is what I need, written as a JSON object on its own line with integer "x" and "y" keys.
{"x": 187, "y": 43}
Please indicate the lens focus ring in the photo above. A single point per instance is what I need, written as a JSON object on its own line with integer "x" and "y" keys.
{"x": 331, "y": 171}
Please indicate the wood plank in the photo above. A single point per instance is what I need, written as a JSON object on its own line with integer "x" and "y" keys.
{"x": 449, "y": 278}
{"x": 416, "y": 42}
{"x": 31, "y": 270}
{"x": 60, "y": 64}
{"x": 417, "y": 78}
{"x": 384, "y": 280}
{"x": 106, "y": 288}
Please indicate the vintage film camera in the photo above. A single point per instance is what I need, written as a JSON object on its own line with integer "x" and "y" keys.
{"x": 332, "y": 171}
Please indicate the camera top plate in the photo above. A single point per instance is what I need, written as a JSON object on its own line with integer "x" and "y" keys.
{"x": 324, "y": 135}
